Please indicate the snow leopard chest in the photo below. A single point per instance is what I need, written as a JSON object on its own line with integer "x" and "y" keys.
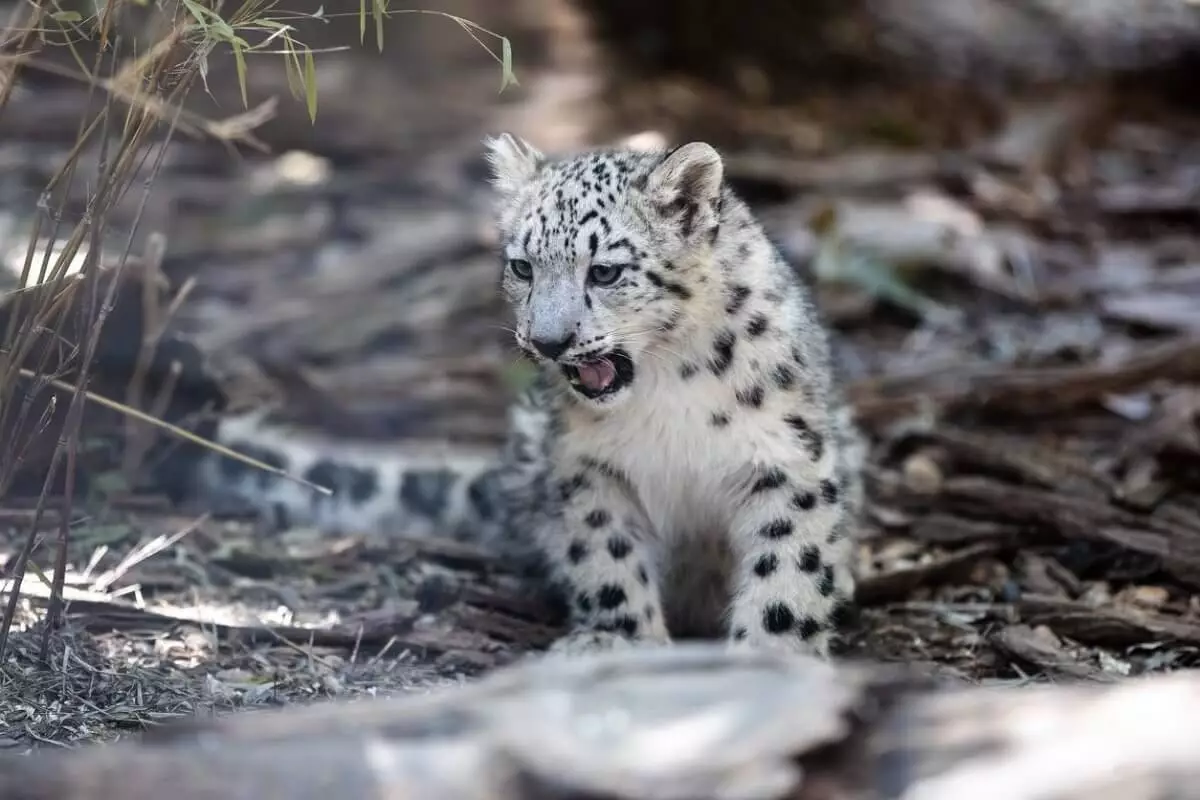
{"x": 686, "y": 453}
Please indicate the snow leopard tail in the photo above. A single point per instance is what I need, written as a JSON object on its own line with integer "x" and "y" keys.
{"x": 410, "y": 488}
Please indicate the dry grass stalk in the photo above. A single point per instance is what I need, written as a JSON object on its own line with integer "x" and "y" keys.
{"x": 140, "y": 90}
{"x": 141, "y": 78}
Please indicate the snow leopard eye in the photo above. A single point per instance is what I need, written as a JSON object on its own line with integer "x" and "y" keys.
{"x": 521, "y": 268}
{"x": 605, "y": 274}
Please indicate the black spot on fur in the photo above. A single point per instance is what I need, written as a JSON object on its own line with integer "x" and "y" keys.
{"x": 777, "y": 529}
{"x": 804, "y": 501}
{"x": 573, "y": 486}
{"x": 766, "y": 565}
{"x": 358, "y": 483}
{"x": 740, "y": 633}
{"x": 688, "y": 370}
{"x": 783, "y": 376}
{"x": 677, "y": 289}
{"x": 809, "y": 628}
{"x": 625, "y": 623}
{"x": 738, "y": 294}
{"x": 829, "y": 492}
{"x": 611, "y": 596}
{"x": 577, "y": 552}
{"x": 778, "y": 618}
{"x": 722, "y": 356}
{"x": 773, "y": 478}
{"x": 648, "y": 612}
{"x": 842, "y": 614}
{"x": 605, "y": 469}
{"x": 757, "y": 326}
{"x": 619, "y": 547}
{"x": 811, "y": 440}
{"x": 583, "y": 602}
{"x": 597, "y": 518}
{"x": 752, "y": 397}
{"x": 642, "y": 575}
{"x": 232, "y": 470}
{"x": 825, "y": 586}
{"x": 426, "y": 492}
{"x": 719, "y": 419}
{"x": 810, "y": 559}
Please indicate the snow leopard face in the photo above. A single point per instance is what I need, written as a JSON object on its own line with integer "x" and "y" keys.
{"x": 602, "y": 252}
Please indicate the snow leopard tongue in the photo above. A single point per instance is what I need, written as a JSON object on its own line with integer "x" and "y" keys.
{"x": 596, "y": 375}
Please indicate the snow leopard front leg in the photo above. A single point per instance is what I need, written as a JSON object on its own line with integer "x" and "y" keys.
{"x": 793, "y": 584}
{"x": 598, "y": 545}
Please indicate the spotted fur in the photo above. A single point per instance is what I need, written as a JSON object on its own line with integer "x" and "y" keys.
{"x": 431, "y": 490}
{"x": 715, "y": 491}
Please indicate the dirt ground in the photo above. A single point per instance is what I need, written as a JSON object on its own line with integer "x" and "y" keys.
{"x": 1017, "y": 318}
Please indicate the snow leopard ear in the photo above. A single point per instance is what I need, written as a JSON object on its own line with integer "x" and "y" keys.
{"x": 514, "y": 162}
{"x": 688, "y": 178}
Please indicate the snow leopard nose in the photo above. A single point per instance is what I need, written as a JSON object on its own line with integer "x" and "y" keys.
{"x": 552, "y": 348}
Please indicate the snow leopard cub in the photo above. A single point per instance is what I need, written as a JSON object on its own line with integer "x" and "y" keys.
{"x": 684, "y": 463}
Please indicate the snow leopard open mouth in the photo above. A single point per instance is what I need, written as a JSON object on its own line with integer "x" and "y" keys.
{"x": 600, "y": 376}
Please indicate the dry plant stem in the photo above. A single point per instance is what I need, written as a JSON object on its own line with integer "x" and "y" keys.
{"x": 18, "y": 573}
{"x": 186, "y": 435}
{"x": 138, "y": 125}
{"x": 54, "y": 279}
{"x": 42, "y": 426}
{"x": 27, "y": 30}
{"x": 75, "y": 413}
{"x": 22, "y": 337}
{"x": 14, "y": 455}
{"x": 70, "y": 432}
{"x": 51, "y": 473}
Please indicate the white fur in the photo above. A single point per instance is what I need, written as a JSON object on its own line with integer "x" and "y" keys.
{"x": 513, "y": 162}
{"x": 688, "y": 496}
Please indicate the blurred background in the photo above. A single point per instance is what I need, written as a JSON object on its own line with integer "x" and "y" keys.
{"x": 996, "y": 202}
{"x": 992, "y": 162}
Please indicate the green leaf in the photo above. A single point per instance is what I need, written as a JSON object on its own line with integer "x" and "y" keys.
{"x": 196, "y": 11}
{"x": 379, "y": 24}
{"x": 239, "y": 59}
{"x": 66, "y": 16}
{"x": 310, "y": 85}
{"x": 291, "y": 61}
{"x": 507, "y": 77}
